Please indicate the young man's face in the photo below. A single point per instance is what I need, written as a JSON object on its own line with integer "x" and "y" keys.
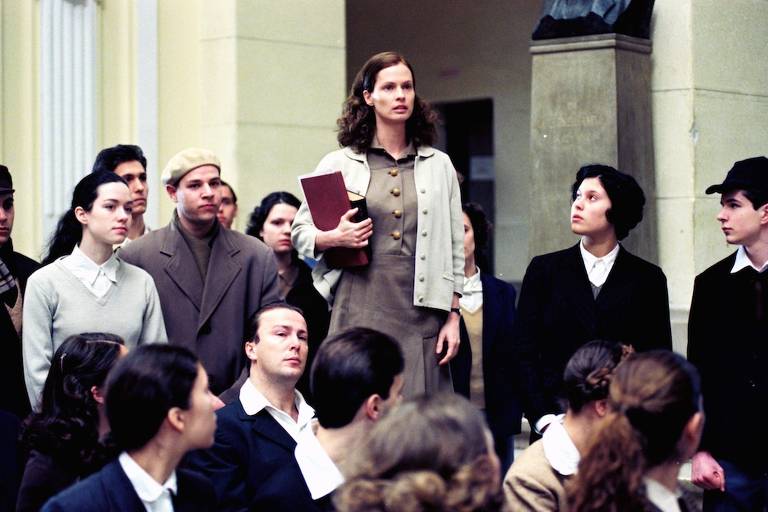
{"x": 136, "y": 177}
{"x": 281, "y": 350}
{"x": 227, "y": 208}
{"x": 739, "y": 220}
{"x": 198, "y": 195}
{"x": 588, "y": 211}
{"x": 6, "y": 217}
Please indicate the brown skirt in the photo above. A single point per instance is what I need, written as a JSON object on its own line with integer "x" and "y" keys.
{"x": 381, "y": 297}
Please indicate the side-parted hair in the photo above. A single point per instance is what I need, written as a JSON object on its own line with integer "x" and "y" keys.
{"x": 67, "y": 426}
{"x": 429, "y": 453}
{"x": 349, "y": 368}
{"x": 261, "y": 212}
{"x": 109, "y": 158}
{"x": 69, "y": 231}
{"x": 627, "y": 198}
{"x": 357, "y": 124}
{"x": 589, "y": 371}
{"x": 653, "y": 396}
{"x": 143, "y": 387}
{"x": 255, "y": 320}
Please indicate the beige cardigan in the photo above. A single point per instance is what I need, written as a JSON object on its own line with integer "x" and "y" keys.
{"x": 439, "y": 270}
{"x": 532, "y": 484}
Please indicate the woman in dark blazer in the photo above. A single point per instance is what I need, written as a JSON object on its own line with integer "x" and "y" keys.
{"x": 593, "y": 290}
{"x": 484, "y": 368}
{"x": 159, "y": 407}
{"x": 66, "y": 440}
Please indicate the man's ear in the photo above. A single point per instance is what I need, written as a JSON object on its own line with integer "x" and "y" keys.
{"x": 171, "y": 191}
{"x": 764, "y": 214}
{"x": 372, "y": 407}
{"x": 250, "y": 349}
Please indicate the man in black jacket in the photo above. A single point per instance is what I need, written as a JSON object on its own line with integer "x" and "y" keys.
{"x": 15, "y": 268}
{"x": 727, "y": 336}
{"x": 595, "y": 289}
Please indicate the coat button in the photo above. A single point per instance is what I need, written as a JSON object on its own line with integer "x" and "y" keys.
{"x": 395, "y": 235}
{"x": 393, "y": 172}
{"x": 397, "y": 213}
{"x": 395, "y": 191}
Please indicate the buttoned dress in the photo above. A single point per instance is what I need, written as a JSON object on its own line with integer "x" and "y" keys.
{"x": 380, "y": 295}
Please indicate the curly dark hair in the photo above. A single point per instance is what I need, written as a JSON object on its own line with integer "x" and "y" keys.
{"x": 627, "y": 198}
{"x": 261, "y": 211}
{"x": 67, "y": 426}
{"x": 357, "y": 124}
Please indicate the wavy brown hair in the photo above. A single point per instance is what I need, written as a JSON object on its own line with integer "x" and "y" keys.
{"x": 652, "y": 397}
{"x": 357, "y": 124}
{"x": 430, "y": 453}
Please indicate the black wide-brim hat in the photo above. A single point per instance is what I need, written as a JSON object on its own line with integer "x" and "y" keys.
{"x": 6, "y": 182}
{"x": 749, "y": 174}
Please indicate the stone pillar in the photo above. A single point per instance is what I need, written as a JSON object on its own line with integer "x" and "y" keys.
{"x": 272, "y": 88}
{"x": 590, "y": 103}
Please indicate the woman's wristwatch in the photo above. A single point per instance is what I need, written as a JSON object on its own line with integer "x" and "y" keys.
{"x": 456, "y": 310}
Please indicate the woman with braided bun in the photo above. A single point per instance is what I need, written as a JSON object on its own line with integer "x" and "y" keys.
{"x": 432, "y": 453}
{"x": 536, "y": 480}
{"x": 654, "y": 423}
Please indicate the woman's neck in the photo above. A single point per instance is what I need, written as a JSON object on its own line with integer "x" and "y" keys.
{"x": 470, "y": 267}
{"x": 579, "y": 429}
{"x": 159, "y": 459}
{"x": 392, "y": 137}
{"x": 284, "y": 261}
{"x": 98, "y": 252}
{"x": 599, "y": 246}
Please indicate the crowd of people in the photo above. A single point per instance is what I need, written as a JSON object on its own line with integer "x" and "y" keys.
{"x": 193, "y": 367}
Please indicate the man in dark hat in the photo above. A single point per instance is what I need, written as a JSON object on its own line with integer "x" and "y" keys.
{"x": 728, "y": 342}
{"x": 15, "y": 268}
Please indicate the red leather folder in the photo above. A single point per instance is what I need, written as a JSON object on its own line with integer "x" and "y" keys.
{"x": 328, "y": 199}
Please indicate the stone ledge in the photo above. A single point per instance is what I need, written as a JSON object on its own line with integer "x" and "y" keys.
{"x": 595, "y": 42}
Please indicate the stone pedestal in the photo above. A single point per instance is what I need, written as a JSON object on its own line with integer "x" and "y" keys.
{"x": 590, "y": 103}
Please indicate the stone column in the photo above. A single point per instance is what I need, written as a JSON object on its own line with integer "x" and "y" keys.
{"x": 590, "y": 103}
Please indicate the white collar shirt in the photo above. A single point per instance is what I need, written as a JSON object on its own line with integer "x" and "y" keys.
{"x": 472, "y": 296}
{"x": 318, "y": 469}
{"x": 254, "y": 401}
{"x": 155, "y": 497}
{"x": 98, "y": 279}
{"x": 598, "y": 268}
{"x": 743, "y": 261}
{"x": 660, "y": 496}
{"x": 559, "y": 449}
